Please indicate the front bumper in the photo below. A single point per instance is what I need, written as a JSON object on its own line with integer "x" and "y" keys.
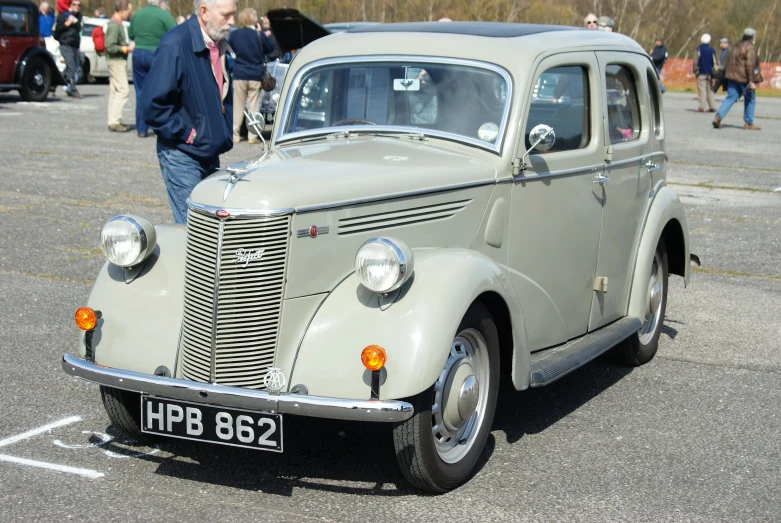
{"x": 233, "y": 397}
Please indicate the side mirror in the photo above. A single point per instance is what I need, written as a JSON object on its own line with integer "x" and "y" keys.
{"x": 542, "y": 137}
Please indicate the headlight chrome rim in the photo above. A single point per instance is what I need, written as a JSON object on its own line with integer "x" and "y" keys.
{"x": 404, "y": 259}
{"x": 143, "y": 240}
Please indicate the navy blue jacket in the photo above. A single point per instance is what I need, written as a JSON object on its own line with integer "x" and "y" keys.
{"x": 707, "y": 57}
{"x": 180, "y": 94}
{"x": 249, "y": 47}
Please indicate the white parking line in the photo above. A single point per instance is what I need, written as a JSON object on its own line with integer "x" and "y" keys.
{"x": 52, "y": 466}
{"x": 39, "y": 430}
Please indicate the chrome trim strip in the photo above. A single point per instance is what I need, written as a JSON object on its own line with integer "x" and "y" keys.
{"x": 216, "y": 304}
{"x": 393, "y": 196}
{"x": 211, "y": 210}
{"x": 233, "y": 397}
{"x": 556, "y": 174}
{"x": 295, "y": 83}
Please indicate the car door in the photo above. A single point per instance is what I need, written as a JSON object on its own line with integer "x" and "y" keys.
{"x": 555, "y": 208}
{"x": 17, "y": 33}
{"x": 626, "y": 185}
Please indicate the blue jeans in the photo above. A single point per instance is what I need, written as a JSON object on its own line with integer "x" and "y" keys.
{"x": 181, "y": 173}
{"x": 734, "y": 90}
{"x": 142, "y": 62}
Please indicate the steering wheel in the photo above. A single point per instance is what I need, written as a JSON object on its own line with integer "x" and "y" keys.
{"x": 354, "y": 121}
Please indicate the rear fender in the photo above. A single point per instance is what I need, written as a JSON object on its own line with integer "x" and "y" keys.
{"x": 141, "y": 320}
{"x": 416, "y": 330}
{"x": 665, "y": 218}
{"x": 39, "y": 53}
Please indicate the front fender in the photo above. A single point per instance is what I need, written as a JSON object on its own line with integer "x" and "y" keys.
{"x": 141, "y": 320}
{"x": 39, "y": 53}
{"x": 416, "y": 330}
{"x": 665, "y": 217}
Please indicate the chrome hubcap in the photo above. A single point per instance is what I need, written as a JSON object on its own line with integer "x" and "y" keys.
{"x": 38, "y": 79}
{"x": 460, "y": 396}
{"x": 653, "y": 313}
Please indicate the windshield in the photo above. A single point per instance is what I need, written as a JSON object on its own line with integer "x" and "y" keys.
{"x": 464, "y": 102}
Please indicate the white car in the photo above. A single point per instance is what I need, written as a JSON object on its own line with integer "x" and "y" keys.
{"x": 91, "y": 62}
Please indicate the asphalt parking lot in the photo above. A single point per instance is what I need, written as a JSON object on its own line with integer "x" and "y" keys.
{"x": 692, "y": 436}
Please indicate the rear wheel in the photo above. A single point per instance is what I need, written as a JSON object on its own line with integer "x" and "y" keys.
{"x": 439, "y": 446}
{"x": 36, "y": 81}
{"x": 641, "y": 347}
{"x": 124, "y": 411}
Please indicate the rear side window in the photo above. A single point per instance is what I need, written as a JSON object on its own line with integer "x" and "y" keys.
{"x": 560, "y": 100}
{"x": 653, "y": 88}
{"x": 86, "y": 29}
{"x": 14, "y": 19}
{"x": 623, "y": 109}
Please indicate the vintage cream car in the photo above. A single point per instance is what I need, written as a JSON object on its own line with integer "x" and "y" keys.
{"x": 434, "y": 220}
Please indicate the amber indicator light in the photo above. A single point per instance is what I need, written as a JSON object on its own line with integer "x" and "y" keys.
{"x": 86, "y": 319}
{"x": 373, "y": 357}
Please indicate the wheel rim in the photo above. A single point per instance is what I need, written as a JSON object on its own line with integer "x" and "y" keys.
{"x": 36, "y": 82}
{"x": 655, "y": 297}
{"x": 460, "y": 396}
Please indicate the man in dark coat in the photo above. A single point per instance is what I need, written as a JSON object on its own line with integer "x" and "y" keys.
{"x": 703, "y": 68}
{"x": 659, "y": 57}
{"x": 67, "y": 31}
{"x": 188, "y": 100}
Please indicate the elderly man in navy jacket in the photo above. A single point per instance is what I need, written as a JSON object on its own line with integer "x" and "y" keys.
{"x": 188, "y": 99}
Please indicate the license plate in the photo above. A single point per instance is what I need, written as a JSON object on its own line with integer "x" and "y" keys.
{"x": 237, "y": 428}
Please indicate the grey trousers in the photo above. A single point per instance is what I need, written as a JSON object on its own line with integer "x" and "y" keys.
{"x": 706, "y": 93}
{"x": 71, "y": 56}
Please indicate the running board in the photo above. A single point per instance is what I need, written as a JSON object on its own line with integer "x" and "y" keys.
{"x": 552, "y": 364}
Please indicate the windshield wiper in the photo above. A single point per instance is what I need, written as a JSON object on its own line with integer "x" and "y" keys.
{"x": 352, "y": 133}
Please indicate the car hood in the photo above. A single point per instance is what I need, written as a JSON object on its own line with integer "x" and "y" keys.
{"x": 340, "y": 173}
{"x": 293, "y": 29}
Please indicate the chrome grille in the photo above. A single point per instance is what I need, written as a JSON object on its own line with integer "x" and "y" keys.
{"x": 231, "y": 312}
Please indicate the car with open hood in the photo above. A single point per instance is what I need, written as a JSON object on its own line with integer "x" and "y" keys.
{"x": 440, "y": 207}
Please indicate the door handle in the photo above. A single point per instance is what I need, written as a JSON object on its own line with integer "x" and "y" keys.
{"x": 651, "y": 166}
{"x": 601, "y": 178}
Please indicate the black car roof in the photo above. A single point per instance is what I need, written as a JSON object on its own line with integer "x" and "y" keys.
{"x": 490, "y": 29}
{"x": 24, "y": 3}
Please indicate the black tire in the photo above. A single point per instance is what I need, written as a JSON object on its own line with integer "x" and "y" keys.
{"x": 413, "y": 439}
{"x": 641, "y": 347}
{"x": 124, "y": 411}
{"x": 36, "y": 81}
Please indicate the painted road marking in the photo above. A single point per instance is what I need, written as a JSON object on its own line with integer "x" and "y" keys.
{"x": 42, "y": 464}
{"x": 39, "y": 430}
{"x": 52, "y": 466}
{"x": 105, "y": 439}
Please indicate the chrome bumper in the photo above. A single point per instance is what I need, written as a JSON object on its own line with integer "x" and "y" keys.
{"x": 233, "y": 397}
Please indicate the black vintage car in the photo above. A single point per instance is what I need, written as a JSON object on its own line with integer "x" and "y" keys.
{"x": 25, "y": 64}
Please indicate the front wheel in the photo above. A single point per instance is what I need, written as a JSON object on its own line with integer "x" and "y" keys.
{"x": 36, "y": 82}
{"x": 124, "y": 411}
{"x": 641, "y": 347}
{"x": 439, "y": 446}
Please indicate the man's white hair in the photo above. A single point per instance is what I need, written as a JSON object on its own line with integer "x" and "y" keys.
{"x": 198, "y": 3}
{"x": 153, "y": 2}
{"x": 586, "y": 17}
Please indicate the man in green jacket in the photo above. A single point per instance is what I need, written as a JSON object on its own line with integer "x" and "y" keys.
{"x": 147, "y": 27}
{"x": 117, "y": 49}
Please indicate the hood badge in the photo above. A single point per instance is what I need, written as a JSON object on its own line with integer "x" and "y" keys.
{"x": 245, "y": 257}
{"x": 313, "y": 232}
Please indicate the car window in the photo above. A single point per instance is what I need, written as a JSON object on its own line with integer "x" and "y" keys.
{"x": 86, "y": 29}
{"x": 560, "y": 100}
{"x": 653, "y": 88}
{"x": 471, "y": 102}
{"x": 14, "y": 19}
{"x": 623, "y": 109}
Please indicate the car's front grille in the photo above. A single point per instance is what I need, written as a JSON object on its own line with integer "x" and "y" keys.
{"x": 231, "y": 318}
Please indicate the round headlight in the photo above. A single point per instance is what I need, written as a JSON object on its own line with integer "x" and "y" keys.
{"x": 127, "y": 240}
{"x": 383, "y": 264}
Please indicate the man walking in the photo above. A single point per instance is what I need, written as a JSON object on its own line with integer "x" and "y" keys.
{"x": 703, "y": 67}
{"x": 743, "y": 75}
{"x": 659, "y": 57}
{"x": 117, "y": 49}
{"x": 188, "y": 100}
{"x": 67, "y": 31}
{"x": 147, "y": 27}
{"x": 720, "y": 70}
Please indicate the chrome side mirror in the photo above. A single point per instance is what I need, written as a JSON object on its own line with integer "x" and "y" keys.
{"x": 542, "y": 137}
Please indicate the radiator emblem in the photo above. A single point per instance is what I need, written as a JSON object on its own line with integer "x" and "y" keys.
{"x": 245, "y": 257}
{"x": 274, "y": 379}
{"x": 313, "y": 232}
